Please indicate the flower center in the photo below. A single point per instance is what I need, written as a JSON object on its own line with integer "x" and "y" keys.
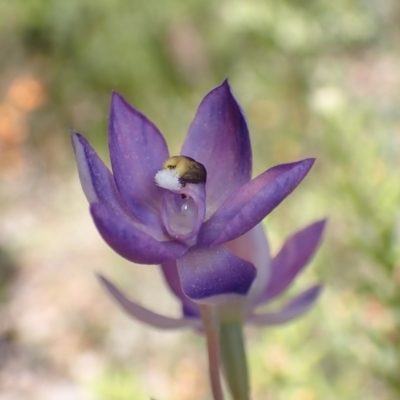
{"x": 183, "y": 201}
{"x": 181, "y": 213}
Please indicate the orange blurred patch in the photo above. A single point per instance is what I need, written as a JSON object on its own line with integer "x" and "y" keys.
{"x": 12, "y": 164}
{"x": 189, "y": 382}
{"x": 13, "y": 127}
{"x": 277, "y": 359}
{"x": 26, "y": 93}
{"x": 376, "y": 315}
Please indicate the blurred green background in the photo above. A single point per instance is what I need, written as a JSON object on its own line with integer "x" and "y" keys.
{"x": 315, "y": 78}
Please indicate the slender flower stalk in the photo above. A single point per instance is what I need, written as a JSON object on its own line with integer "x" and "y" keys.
{"x": 234, "y": 361}
{"x": 198, "y": 215}
{"x": 211, "y": 331}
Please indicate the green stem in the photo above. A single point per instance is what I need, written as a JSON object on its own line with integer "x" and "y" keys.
{"x": 234, "y": 359}
{"x": 211, "y": 330}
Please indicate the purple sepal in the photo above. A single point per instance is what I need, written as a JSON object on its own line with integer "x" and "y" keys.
{"x": 292, "y": 258}
{"x": 214, "y": 272}
{"x": 130, "y": 239}
{"x": 295, "y": 308}
{"x": 252, "y": 202}
{"x": 96, "y": 180}
{"x": 219, "y": 139}
{"x": 171, "y": 276}
{"x": 137, "y": 151}
{"x": 143, "y": 314}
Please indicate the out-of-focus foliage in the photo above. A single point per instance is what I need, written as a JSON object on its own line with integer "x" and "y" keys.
{"x": 316, "y": 78}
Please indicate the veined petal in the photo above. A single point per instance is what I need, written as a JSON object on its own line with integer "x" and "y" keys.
{"x": 131, "y": 240}
{"x": 219, "y": 139}
{"x": 292, "y": 258}
{"x": 170, "y": 272}
{"x": 96, "y": 180}
{"x": 295, "y": 308}
{"x": 208, "y": 274}
{"x": 144, "y": 315}
{"x": 137, "y": 151}
{"x": 253, "y": 202}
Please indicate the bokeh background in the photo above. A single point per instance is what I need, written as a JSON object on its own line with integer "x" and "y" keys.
{"x": 315, "y": 78}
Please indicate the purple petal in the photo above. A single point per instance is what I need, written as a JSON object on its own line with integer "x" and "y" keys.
{"x": 219, "y": 139}
{"x": 131, "y": 240}
{"x": 170, "y": 272}
{"x": 142, "y": 314}
{"x": 252, "y": 202}
{"x": 137, "y": 151}
{"x": 292, "y": 258}
{"x": 295, "y": 308}
{"x": 97, "y": 181}
{"x": 215, "y": 271}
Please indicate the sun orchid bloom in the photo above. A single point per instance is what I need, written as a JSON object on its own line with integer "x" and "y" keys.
{"x": 198, "y": 214}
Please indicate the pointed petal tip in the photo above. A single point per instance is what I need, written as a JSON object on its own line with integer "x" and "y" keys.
{"x": 320, "y": 225}
{"x": 317, "y": 289}
{"x": 298, "y": 306}
{"x": 118, "y": 102}
{"x": 104, "y": 282}
{"x": 74, "y": 134}
{"x": 315, "y": 231}
{"x": 308, "y": 162}
{"x": 227, "y": 89}
{"x": 309, "y": 296}
{"x": 316, "y": 228}
{"x": 100, "y": 278}
{"x": 116, "y": 96}
{"x": 107, "y": 284}
{"x": 303, "y": 167}
{"x": 226, "y": 84}
{"x": 121, "y": 110}
{"x": 74, "y": 138}
{"x": 223, "y": 89}
{"x": 78, "y": 139}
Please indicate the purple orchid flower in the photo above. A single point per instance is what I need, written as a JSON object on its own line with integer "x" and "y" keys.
{"x": 198, "y": 214}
